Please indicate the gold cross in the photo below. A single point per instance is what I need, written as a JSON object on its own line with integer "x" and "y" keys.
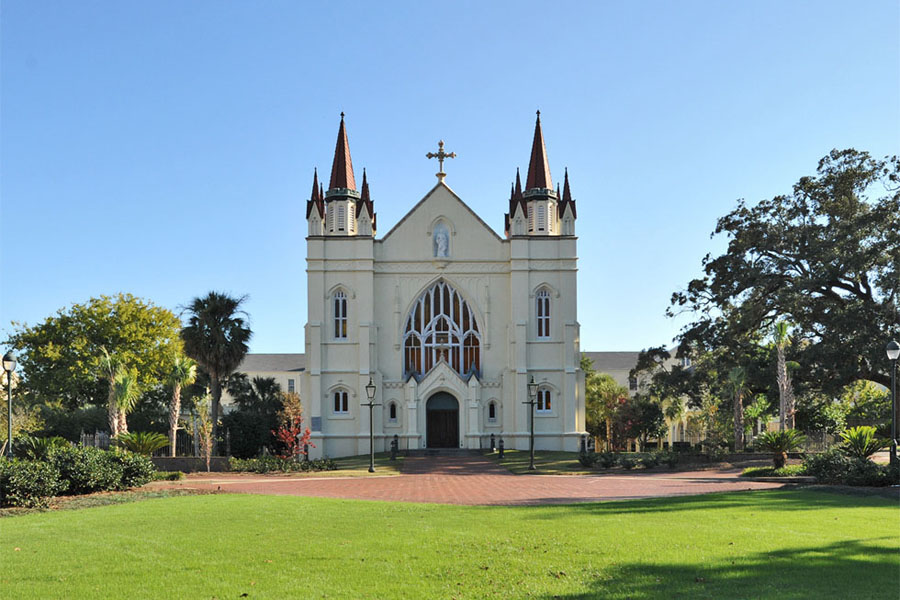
{"x": 440, "y": 155}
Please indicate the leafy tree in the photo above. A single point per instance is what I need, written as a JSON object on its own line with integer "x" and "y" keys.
{"x": 825, "y": 257}
{"x": 291, "y": 435}
{"x": 183, "y": 372}
{"x": 62, "y": 358}
{"x": 258, "y": 403}
{"x": 737, "y": 382}
{"x": 640, "y": 417}
{"x": 216, "y": 337}
{"x": 603, "y": 395}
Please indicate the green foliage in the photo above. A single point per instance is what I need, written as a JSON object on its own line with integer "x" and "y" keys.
{"x": 836, "y": 467}
{"x": 88, "y": 470}
{"x": 38, "y": 448}
{"x": 251, "y": 425}
{"x": 69, "y": 424}
{"x": 603, "y": 396}
{"x": 860, "y": 442}
{"x": 627, "y": 463}
{"x": 142, "y": 442}
{"x": 137, "y": 469}
{"x": 275, "y": 464}
{"x": 168, "y": 476}
{"x": 61, "y": 358}
{"x": 779, "y": 443}
{"x": 785, "y": 471}
{"x": 826, "y": 257}
{"x": 639, "y": 417}
{"x": 28, "y": 483}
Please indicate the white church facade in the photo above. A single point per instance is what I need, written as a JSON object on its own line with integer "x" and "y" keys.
{"x": 448, "y": 320}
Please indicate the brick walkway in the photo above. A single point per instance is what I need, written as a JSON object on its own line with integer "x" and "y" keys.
{"x": 476, "y": 480}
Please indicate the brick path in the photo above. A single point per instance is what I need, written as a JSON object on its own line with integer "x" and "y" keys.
{"x": 476, "y": 480}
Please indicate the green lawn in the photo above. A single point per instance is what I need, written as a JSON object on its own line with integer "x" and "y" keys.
{"x": 547, "y": 462}
{"x": 776, "y": 544}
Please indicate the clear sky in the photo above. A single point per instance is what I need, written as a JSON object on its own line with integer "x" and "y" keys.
{"x": 166, "y": 148}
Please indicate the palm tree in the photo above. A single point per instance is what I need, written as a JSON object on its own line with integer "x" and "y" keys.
{"x": 604, "y": 398}
{"x": 783, "y": 377}
{"x": 737, "y": 383}
{"x": 127, "y": 393}
{"x": 182, "y": 372}
{"x": 110, "y": 365}
{"x": 216, "y": 337}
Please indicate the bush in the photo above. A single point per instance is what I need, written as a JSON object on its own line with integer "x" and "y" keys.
{"x": 606, "y": 460}
{"x": 835, "y": 467}
{"x": 137, "y": 469}
{"x": 785, "y": 471}
{"x": 142, "y": 442}
{"x": 669, "y": 459}
{"x": 38, "y": 448}
{"x": 587, "y": 459}
{"x": 860, "y": 442}
{"x": 650, "y": 460}
{"x": 275, "y": 464}
{"x": 88, "y": 469}
{"x": 168, "y": 476}
{"x": 627, "y": 463}
{"x": 28, "y": 483}
{"x": 779, "y": 443}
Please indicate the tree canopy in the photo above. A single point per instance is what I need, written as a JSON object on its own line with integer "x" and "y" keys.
{"x": 826, "y": 257}
{"x": 62, "y": 357}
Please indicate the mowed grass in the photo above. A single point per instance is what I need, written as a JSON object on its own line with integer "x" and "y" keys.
{"x": 773, "y": 544}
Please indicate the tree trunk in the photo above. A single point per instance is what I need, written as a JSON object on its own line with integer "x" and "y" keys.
{"x": 214, "y": 410}
{"x": 174, "y": 410}
{"x": 123, "y": 424}
{"x": 785, "y": 393}
{"x": 609, "y": 445}
{"x": 112, "y": 410}
{"x": 738, "y": 423}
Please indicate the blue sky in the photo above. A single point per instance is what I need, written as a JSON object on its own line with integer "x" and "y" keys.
{"x": 166, "y": 148}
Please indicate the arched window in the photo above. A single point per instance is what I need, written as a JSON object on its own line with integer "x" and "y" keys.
{"x": 341, "y": 402}
{"x": 441, "y": 326}
{"x": 541, "y": 217}
{"x": 492, "y": 411}
{"x": 392, "y": 411}
{"x": 542, "y": 312}
{"x": 340, "y": 315}
{"x": 543, "y": 400}
{"x": 341, "y": 217}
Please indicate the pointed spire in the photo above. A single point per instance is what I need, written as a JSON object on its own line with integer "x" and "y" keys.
{"x": 365, "y": 200}
{"x": 342, "y": 167}
{"x": 566, "y": 198}
{"x": 538, "y": 167}
{"x": 315, "y": 198}
{"x": 567, "y": 195}
{"x": 518, "y": 195}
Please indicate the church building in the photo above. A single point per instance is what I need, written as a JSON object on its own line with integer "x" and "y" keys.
{"x": 448, "y": 320}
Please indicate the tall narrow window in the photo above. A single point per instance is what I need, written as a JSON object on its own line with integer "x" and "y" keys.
{"x": 542, "y": 311}
{"x": 530, "y": 217}
{"x": 341, "y": 217}
{"x": 392, "y": 411}
{"x": 492, "y": 411}
{"x": 340, "y": 315}
{"x": 543, "y": 401}
{"x": 330, "y": 219}
{"x": 341, "y": 402}
{"x": 541, "y": 217}
{"x": 290, "y": 386}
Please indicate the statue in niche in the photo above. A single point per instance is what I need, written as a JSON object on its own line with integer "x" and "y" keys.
{"x": 441, "y": 241}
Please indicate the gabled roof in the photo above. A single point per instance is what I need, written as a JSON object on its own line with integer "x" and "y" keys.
{"x": 272, "y": 362}
{"x": 427, "y": 196}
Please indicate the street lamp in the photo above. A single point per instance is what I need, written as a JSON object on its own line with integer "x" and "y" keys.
{"x": 893, "y": 352}
{"x": 9, "y": 365}
{"x": 370, "y": 394}
{"x": 532, "y": 400}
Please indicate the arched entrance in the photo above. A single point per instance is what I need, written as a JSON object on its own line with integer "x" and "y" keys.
{"x": 442, "y": 421}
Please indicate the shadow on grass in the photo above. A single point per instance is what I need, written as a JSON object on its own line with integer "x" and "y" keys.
{"x": 759, "y": 500}
{"x": 866, "y": 568}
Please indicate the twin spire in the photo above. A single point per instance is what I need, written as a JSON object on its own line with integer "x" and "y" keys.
{"x": 538, "y": 167}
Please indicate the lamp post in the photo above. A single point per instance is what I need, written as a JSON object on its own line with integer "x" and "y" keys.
{"x": 532, "y": 400}
{"x": 893, "y": 352}
{"x": 9, "y": 365}
{"x": 370, "y": 394}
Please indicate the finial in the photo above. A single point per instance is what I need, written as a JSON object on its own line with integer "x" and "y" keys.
{"x": 538, "y": 114}
{"x": 440, "y": 155}
{"x": 342, "y": 115}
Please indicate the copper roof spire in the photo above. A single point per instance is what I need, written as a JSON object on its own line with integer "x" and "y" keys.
{"x": 315, "y": 198}
{"x": 342, "y": 167}
{"x": 365, "y": 200}
{"x": 538, "y": 167}
{"x": 566, "y": 197}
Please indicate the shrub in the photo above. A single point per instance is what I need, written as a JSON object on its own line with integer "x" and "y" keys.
{"x": 38, "y": 448}
{"x": 669, "y": 459}
{"x": 627, "y": 463}
{"x": 142, "y": 442}
{"x": 587, "y": 459}
{"x": 648, "y": 461}
{"x": 87, "y": 469}
{"x": 168, "y": 476}
{"x": 779, "y": 443}
{"x": 606, "y": 460}
{"x": 835, "y": 467}
{"x": 860, "y": 442}
{"x": 785, "y": 471}
{"x": 137, "y": 469}
{"x": 275, "y": 464}
{"x": 28, "y": 483}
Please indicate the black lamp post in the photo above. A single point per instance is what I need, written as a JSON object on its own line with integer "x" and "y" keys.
{"x": 532, "y": 400}
{"x": 9, "y": 365}
{"x": 370, "y": 394}
{"x": 893, "y": 352}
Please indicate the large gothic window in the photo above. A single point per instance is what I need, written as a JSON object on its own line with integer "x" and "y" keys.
{"x": 441, "y": 326}
{"x": 340, "y": 315}
{"x": 542, "y": 312}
